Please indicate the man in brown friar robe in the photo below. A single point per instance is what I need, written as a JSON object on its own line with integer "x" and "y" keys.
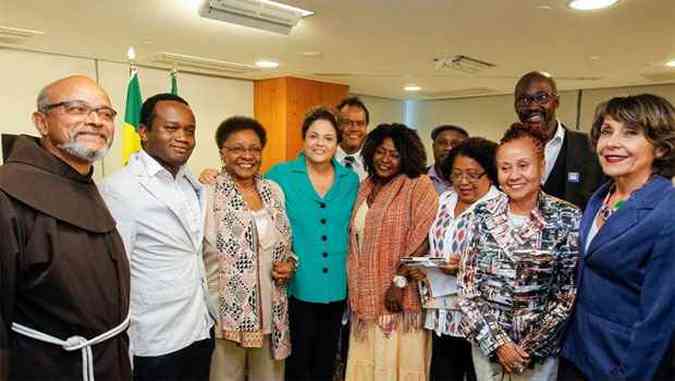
{"x": 64, "y": 275}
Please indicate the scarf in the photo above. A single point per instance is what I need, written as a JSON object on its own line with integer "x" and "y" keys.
{"x": 397, "y": 223}
{"x": 238, "y": 274}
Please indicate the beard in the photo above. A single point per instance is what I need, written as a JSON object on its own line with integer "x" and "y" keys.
{"x": 81, "y": 151}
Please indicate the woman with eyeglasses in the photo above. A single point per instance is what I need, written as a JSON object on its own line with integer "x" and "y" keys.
{"x": 624, "y": 321}
{"x": 319, "y": 193}
{"x": 247, "y": 252}
{"x": 471, "y": 167}
{"x": 516, "y": 279}
{"x": 392, "y": 215}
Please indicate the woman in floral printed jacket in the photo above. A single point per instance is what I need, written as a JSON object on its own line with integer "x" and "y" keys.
{"x": 516, "y": 279}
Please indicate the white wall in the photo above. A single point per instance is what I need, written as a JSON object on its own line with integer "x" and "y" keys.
{"x": 212, "y": 99}
{"x": 490, "y": 116}
{"x": 383, "y": 110}
{"x": 591, "y": 98}
{"x": 22, "y": 76}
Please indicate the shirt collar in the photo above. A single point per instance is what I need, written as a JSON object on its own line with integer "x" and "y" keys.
{"x": 153, "y": 167}
{"x": 559, "y": 133}
{"x": 341, "y": 154}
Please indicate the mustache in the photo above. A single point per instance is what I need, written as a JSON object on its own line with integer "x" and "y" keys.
{"x": 77, "y": 133}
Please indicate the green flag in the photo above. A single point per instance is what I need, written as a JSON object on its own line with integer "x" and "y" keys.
{"x": 174, "y": 82}
{"x": 131, "y": 141}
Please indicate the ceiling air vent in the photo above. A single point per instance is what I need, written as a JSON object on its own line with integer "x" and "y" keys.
{"x": 462, "y": 64}
{"x": 182, "y": 60}
{"x": 259, "y": 14}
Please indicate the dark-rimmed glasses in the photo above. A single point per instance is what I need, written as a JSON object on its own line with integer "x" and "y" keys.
{"x": 470, "y": 177}
{"x": 82, "y": 109}
{"x": 540, "y": 98}
{"x": 240, "y": 150}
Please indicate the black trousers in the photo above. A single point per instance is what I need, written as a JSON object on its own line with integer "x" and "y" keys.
{"x": 315, "y": 329}
{"x": 451, "y": 359}
{"x": 191, "y": 363}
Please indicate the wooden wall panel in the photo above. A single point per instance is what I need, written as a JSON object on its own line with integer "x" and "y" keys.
{"x": 269, "y": 108}
{"x": 281, "y": 104}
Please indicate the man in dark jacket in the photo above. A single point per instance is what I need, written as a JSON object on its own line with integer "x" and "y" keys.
{"x": 572, "y": 170}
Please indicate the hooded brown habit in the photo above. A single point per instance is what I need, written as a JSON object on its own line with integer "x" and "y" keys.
{"x": 63, "y": 270}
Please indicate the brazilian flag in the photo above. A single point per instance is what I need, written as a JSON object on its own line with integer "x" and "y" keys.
{"x": 131, "y": 141}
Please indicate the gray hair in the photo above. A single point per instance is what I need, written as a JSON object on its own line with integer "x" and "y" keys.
{"x": 43, "y": 99}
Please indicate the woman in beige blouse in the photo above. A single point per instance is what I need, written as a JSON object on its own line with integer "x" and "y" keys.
{"x": 247, "y": 251}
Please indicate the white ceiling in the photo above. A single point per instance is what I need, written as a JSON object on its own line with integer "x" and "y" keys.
{"x": 378, "y": 46}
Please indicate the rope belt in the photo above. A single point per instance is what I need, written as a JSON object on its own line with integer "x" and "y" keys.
{"x": 74, "y": 343}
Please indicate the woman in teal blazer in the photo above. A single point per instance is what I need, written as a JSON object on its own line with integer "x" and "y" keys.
{"x": 319, "y": 194}
{"x": 623, "y": 324}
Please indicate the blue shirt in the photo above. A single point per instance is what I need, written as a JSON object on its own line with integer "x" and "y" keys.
{"x": 320, "y": 229}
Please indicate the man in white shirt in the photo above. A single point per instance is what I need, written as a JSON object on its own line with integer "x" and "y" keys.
{"x": 354, "y": 128}
{"x": 444, "y": 137}
{"x": 159, "y": 209}
{"x": 572, "y": 170}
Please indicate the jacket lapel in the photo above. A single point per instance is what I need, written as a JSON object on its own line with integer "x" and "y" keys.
{"x": 160, "y": 192}
{"x": 588, "y": 219}
{"x": 626, "y": 217}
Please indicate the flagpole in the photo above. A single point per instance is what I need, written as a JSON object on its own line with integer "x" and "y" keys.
{"x": 131, "y": 57}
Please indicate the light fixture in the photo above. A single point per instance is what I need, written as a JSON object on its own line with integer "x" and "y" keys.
{"x": 671, "y": 63}
{"x": 259, "y": 14}
{"x": 412, "y": 87}
{"x": 267, "y": 64}
{"x": 176, "y": 59}
{"x": 15, "y": 35}
{"x": 590, "y": 5}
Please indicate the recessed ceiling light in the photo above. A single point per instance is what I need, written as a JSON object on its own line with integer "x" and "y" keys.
{"x": 267, "y": 64}
{"x": 412, "y": 88}
{"x": 589, "y": 5}
{"x": 545, "y": 7}
{"x": 670, "y": 63}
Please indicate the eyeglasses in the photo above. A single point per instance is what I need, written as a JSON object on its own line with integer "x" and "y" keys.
{"x": 239, "y": 150}
{"x": 540, "y": 98}
{"x": 82, "y": 109}
{"x": 352, "y": 123}
{"x": 471, "y": 177}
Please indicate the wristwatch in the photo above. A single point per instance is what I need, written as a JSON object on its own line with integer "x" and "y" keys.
{"x": 400, "y": 281}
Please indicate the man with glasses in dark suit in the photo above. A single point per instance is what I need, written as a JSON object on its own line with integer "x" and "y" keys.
{"x": 572, "y": 172}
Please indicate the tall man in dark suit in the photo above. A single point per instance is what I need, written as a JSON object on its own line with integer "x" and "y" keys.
{"x": 572, "y": 170}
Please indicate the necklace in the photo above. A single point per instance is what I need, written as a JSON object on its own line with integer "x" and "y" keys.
{"x": 606, "y": 210}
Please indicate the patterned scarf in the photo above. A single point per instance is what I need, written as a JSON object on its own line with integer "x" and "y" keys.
{"x": 238, "y": 277}
{"x": 396, "y": 225}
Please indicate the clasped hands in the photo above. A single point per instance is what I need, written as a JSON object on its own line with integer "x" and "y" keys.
{"x": 282, "y": 272}
{"x": 512, "y": 358}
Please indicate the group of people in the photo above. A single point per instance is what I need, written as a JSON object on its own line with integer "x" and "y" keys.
{"x": 548, "y": 255}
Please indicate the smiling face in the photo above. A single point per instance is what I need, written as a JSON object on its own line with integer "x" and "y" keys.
{"x": 354, "y": 128}
{"x": 386, "y": 160}
{"x": 520, "y": 168}
{"x": 320, "y": 142}
{"x": 241, "y": 154}
{"x": 624, "y": 151}
{"x": 536, "y": 104}
{"x": 171, "y": 138}
{"x": 469, "y": 179}
{"x": 77, "y": 122}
